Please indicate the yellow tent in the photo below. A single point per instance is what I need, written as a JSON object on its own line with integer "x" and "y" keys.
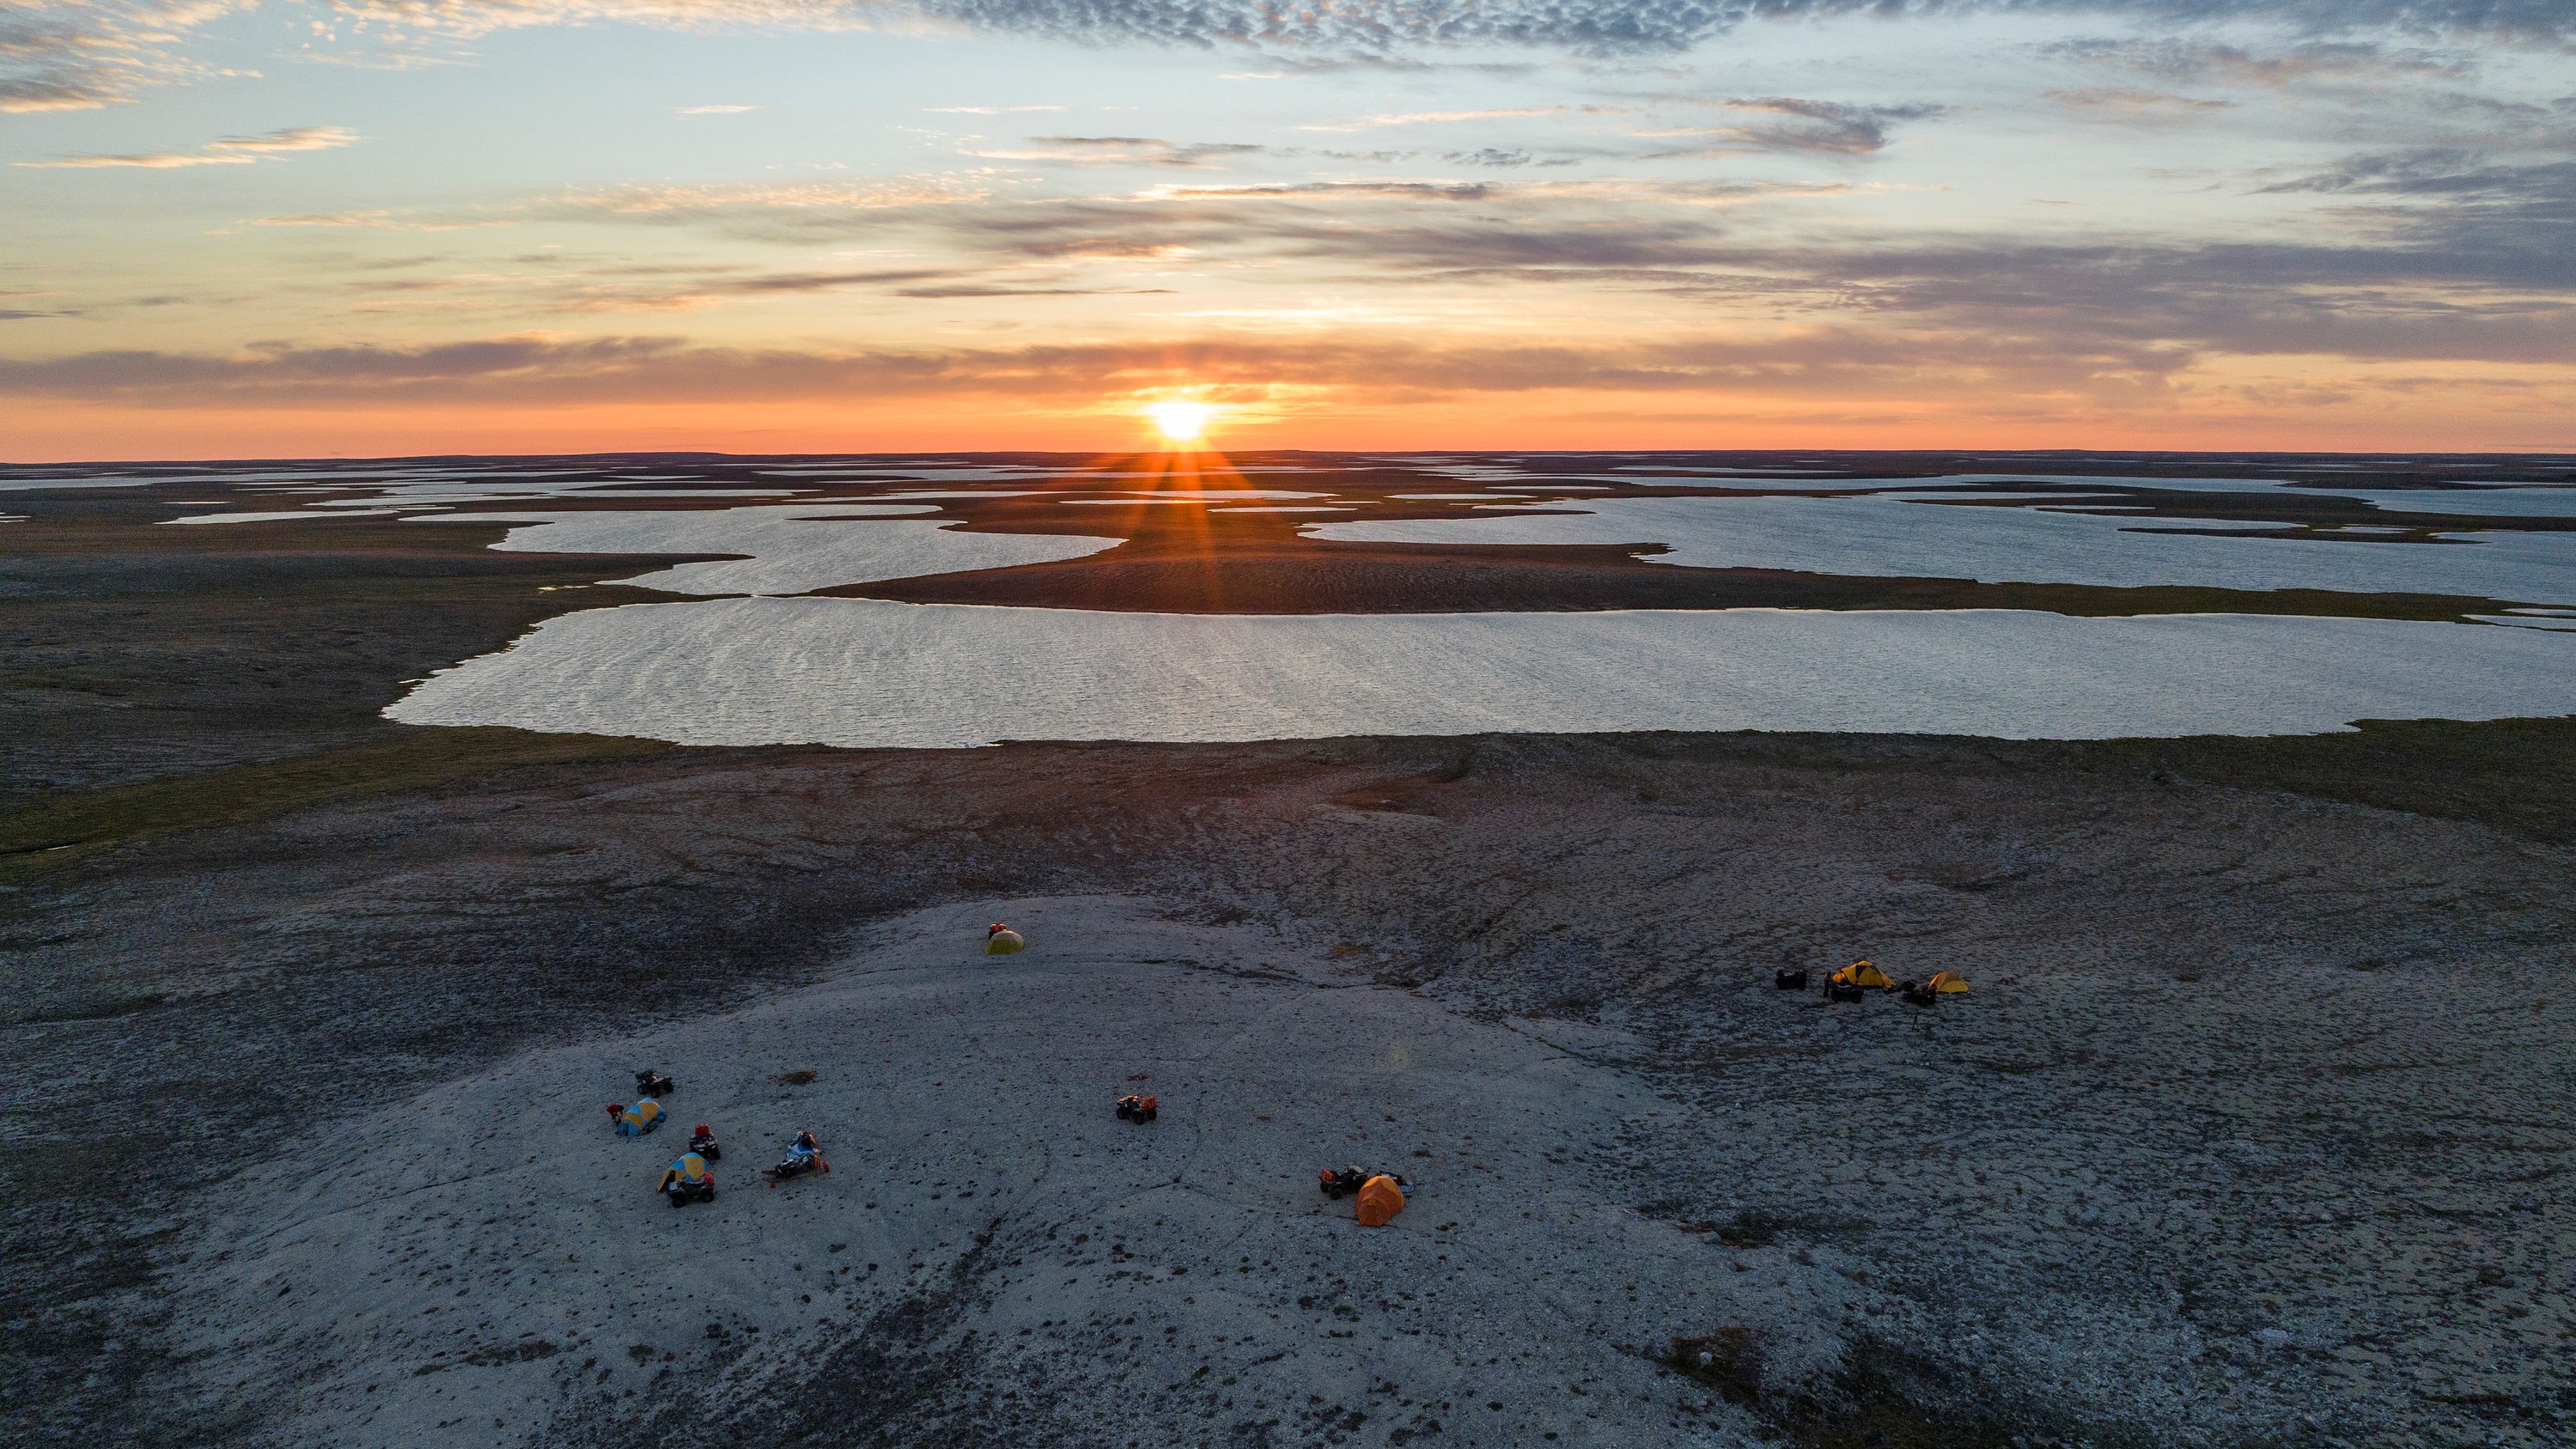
{"x": 639, "y": 1119}
{"x": 1862, "y": 973}
{"x": 1949, "y": 982}
{"x": 1001, "y": 940}
{"x": 691, "y": 1169}
{"x": 1379, "y": 1201}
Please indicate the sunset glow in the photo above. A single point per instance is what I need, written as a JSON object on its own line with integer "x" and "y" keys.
{"x": 1180, "y": 422}
{"x": 740, "y": 227}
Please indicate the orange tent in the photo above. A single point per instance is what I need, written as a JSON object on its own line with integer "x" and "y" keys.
{"x": 1380, "y": 1200}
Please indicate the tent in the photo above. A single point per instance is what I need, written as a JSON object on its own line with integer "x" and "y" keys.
{"x": 1862, "y": 973}
{"x": 1379, "y": 1201}
{"x": 1001, "y": 940}
{"x": 690, "y": 1169}
{"x": 639, "y": 1119}
{"x": 1948, "y": 983}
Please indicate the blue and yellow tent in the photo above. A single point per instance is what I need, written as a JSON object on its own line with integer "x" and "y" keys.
{"x": 639, "y": 1119}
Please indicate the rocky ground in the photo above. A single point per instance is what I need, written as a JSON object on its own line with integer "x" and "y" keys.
{"x": 2253, "y": 1131}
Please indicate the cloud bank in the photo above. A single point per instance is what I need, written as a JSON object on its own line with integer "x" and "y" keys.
{"x": 230, "y": 151}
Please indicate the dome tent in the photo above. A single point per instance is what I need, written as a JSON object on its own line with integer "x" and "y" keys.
{"x": 1379, "y": 1201}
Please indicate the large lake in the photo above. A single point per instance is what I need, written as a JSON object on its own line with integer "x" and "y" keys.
{"x": 871, "y": 672}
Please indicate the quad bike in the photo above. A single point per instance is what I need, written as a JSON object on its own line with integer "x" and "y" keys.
{"x": 796, "y": 1165}
{"x": 650, "y": 1083}
{"x": 1842, "y": 991}
{"x": 1789, "y": 980}
{"x": 1342, "y": 1182}
{"x": 1139, "y": 1110}
{"x": 682, "y": 1192}
{"x": 703, "y": 1143}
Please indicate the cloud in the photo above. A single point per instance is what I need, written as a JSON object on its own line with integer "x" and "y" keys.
{"x": 2513, "y": 217}
{"x": 968, "y": 290}
{"x": 1118, "y": 151}
{"x": 985, "y": 110}
{"x": 2139, "y": 105}
{"x": 1434, "y": 118}
{"x": 2437, "y": 255}
{"x": 1104, "y": 249}
{"x": 1502, "y": 157}
{"x": 713, "y": 110}
{"x": 736, "y": 200}
{"x": 294, "y": 138}
{"x": 777, "y": 282}
{"x": 1794, "y": 124}
{"x": 2454, "y": 176}
{"x": 230, "y": 151}
{"x": 2189, "y": 60}
{"x": 156, "y": 161}
{"x": 537, "y": 368}
{"x": 77, "y": 55}
{"x": 1365, "y": 30}
{"x": 1320, "y": 190}
{"x": 376, "y": 221}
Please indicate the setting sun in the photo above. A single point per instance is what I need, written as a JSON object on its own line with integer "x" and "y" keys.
{"x": 1182, "y": 422}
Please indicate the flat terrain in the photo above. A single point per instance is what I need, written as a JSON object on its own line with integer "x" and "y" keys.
{"x": 2253, "y": 1132}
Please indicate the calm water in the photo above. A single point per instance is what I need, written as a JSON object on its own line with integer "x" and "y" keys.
{"x": 778, "y": 667}
{"x": 870, "y": 672}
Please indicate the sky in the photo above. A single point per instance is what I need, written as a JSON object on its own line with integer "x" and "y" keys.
{"x": 375, "y": 227}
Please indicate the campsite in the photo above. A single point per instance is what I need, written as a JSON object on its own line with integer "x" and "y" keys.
{"x": 2224, "y": 1155}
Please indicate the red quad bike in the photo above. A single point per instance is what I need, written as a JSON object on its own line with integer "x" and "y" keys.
{"x": 1139, "y": 1110}
{"x": 702, "y": 1141}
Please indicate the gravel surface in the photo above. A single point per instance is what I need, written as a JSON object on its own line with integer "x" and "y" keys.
{"x": 2263, "y": 1142}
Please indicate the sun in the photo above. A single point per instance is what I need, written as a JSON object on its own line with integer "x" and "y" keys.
{"x": 1181, "y": 422}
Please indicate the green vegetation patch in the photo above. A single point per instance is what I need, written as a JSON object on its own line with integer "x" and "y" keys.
{"x": 68, "y": 825}
{"x": 2515, "y": 775}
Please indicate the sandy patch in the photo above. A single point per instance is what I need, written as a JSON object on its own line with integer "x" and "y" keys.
{"x": 488, "y": 1260}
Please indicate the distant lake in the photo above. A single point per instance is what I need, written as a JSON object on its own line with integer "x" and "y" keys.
{"x": 1612, "y": 651}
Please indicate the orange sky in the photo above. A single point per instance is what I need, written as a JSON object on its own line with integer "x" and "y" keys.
{"x": 567, "y": 225}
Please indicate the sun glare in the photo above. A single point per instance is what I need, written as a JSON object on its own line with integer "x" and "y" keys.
{"x": 1181, "y": 422}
